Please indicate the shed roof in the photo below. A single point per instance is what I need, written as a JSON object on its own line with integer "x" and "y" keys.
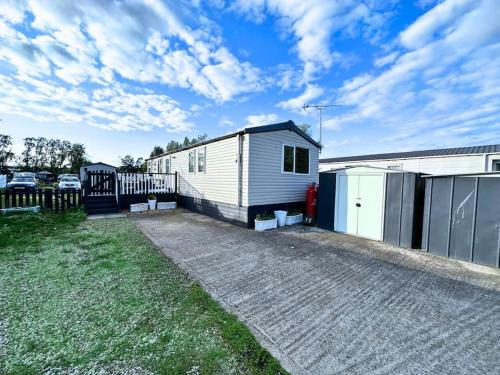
{"x": 98, "y": 163}
{"x": 287, "y": 125}
{"x": 485, "y": 149}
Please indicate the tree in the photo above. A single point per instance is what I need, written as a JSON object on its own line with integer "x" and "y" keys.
{"x": 157, "y": 151}
{"x": 76, "y": 157}
{"x": 63, "y": 151}
{"x": 199, "y": 139}
{"x": 40, "y": 153}
{"x": 130, "y": 165}
{"x": 186, "y": 142}
{"x": 306, "y": 128}
{"x": 172, "y": 146}
{"x": 26, "y": 155}
{"x": 6, "y": 153}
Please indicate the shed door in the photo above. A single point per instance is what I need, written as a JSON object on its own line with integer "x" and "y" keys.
{"x": 359, "y": 205}
{"x": 370, "y": 212}
{"x": 346, "y": 195}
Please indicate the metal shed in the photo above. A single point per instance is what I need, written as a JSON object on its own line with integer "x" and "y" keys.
{"x": 380, "y": 204}
{"x": 462, "y": 217}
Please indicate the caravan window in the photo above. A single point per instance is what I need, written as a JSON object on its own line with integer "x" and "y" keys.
{"x": 295, "y": 160}
{"x": 201, "y": 160}
{"x": 167, "y": 165}
{"x": 191, "y": 162}
{"x": 301, "y": 160}
{"x": 288, "y": 158}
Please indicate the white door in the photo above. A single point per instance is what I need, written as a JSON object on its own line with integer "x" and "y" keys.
{"x": 371, "y": 206}
{"x": 359, "y": 205}
{"x": 345, "y": 207}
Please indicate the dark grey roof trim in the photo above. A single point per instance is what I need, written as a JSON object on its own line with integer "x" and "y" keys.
{"x": 288, "y": 125}
{"x": 416, "y": 154}
{"x": 470, "y": 174}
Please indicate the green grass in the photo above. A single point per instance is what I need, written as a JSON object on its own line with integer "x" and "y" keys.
{"x": 87, "y": 296}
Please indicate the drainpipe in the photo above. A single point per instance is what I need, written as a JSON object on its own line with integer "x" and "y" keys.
{"x": 240, "y": 168}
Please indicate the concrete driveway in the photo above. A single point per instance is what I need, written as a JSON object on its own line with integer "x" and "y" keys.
{"x": 327, "y": 303}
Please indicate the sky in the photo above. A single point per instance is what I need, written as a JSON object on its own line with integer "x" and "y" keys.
{"x": 123, "y": 76}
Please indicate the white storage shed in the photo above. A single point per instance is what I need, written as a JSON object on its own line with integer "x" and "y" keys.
{"x": 379, "y": 204}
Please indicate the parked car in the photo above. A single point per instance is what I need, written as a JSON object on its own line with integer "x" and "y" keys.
{"x": 61, "y": 176}
{"x": 44, "y": 176}
{"x": 22, "y": 183}
{"x": 70, "y": 182}
{"x": 25, "y": 174}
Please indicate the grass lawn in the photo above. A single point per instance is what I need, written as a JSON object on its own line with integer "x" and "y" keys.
{"x": 85, "y": 297}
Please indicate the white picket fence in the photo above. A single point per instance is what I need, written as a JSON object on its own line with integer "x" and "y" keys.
{"x": 146, "y": 183}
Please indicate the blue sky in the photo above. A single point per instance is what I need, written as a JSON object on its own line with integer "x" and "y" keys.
{"x": 123, "y": 76}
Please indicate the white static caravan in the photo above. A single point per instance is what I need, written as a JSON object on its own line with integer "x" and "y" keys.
{"x": 237, "y": 176}
{"x": 475, "y": 159}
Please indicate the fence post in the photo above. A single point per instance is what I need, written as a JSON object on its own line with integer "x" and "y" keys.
{"x": 48, "y": 198}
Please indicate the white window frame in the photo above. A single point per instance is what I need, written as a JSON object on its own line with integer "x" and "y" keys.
{"x": 167, "y": 162}
{"x": 294, "y": 157}
{"x": 494, "y": 163}
{"x": 160, "y": 166}
{"x": 204, "y": 150}
{"x": 194, "y": 162}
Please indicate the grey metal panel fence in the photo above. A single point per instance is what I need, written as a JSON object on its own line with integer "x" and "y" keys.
{"x": 403, "y": 209}
{"x": 462, "y": 218}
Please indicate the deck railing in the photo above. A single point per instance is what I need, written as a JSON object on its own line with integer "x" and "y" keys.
{"x": 147, "y": 183}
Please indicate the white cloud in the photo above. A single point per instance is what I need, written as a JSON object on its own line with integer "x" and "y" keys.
{"x": 313, "y": 22}
{"x": 12, "y": 10}
{"x": 143, "y": 41}
{"x": 451, "y": 81}
{"x": 264, "y": 119}
{"x": 226, "y": 122}
{"x": 112, "y": 108}
{"x": 435, "y": 21}
{"x": 296, "y": 104}
{"x": 386, "y": 60}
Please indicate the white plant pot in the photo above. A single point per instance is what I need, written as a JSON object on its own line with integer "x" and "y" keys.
{"x": 138, "y": 207}
{"x": 262, "y": 225}
{"x": 166, "y": 205}
{"x": 281, "y": 217}
{"x": 152, "y": 204}
{"x": 294, "y": 219}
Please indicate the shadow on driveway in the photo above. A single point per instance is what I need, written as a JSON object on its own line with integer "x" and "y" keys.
{"x": 326, "y": 303}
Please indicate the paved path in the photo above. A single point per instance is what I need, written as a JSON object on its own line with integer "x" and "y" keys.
{"x": 326, "y": 303}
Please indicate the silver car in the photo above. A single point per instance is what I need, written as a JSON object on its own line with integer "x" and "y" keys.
{"x": 70, "y": 182}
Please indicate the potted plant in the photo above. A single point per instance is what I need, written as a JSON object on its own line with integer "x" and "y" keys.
{"x": 281, "y": 217}
{"x": 265, "y": 221}
{"x": 152, "y": 201}
{"x": 294, "y": 217}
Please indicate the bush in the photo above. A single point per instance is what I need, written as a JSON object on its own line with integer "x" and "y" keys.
{"x": 265, "y": 216}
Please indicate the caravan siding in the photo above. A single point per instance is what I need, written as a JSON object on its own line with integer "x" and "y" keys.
{"x": 213, "y": 192}
{"x": 219, "y": 182}
{"x": 266, "y": 182}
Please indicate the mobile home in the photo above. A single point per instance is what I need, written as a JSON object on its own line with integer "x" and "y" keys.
{"x": 239, "y": 175}
{"x": 475, "y": 159}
